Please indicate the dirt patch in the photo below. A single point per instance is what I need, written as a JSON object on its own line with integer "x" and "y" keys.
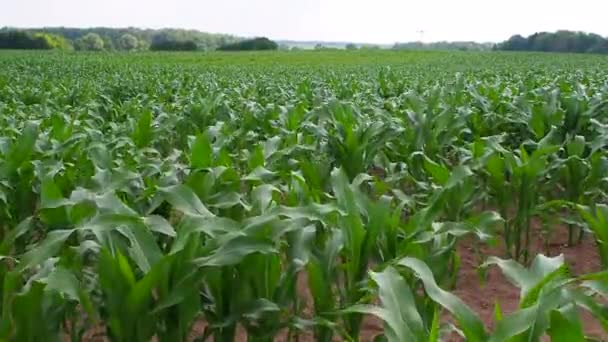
{"x": 582, "y": 258}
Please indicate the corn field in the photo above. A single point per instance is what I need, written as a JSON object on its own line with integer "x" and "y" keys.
{"x": 302, "y": 196}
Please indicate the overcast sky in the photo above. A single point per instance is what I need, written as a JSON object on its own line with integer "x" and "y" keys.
{"x": 373, "y": 21}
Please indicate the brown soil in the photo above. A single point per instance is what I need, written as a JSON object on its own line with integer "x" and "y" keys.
{"x": 581, "y": 258}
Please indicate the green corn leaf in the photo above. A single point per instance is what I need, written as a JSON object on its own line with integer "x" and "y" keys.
{"x": 497, "y": 312}
{"x": 11, "y": 284}
{"x": 159, "y": 225}
{"x": 398, "y": 311}
{"x": 260, "y": 174}
{"x": 210, "y": 226}
{"x": 565, "y": 328}
{"x": 140, "y": 298}
{"x": 531, "y": 281}
{"x": 395, "y": 330}
{"x": 50, "y": 194}
{"x": 513, "y": 325}
{"x": 233, "y": 252}
{"x": 21, "y": 150}
{"x": 142, "y": 136}
{"x": 434, "y": 333}
{"x": 597, "y": 221}
{"x": 32, "y": 322}
{"x": 125, "y": 270}
{"x": 468, "y": 321}
{"x": 64, "y": 282}
{"x": 577, "y": 146}
{"x": 440, "y": 174}
{"x": 9, "y": 238}
{"x": 397, "y": 298}
{"x": 458, "y": 174}
{"x": 202, "y": 152}
{"x": 46, "y": 249}
{"x": 185, "y": 200}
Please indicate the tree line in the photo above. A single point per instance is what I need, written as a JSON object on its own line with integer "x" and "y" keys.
{"x": 443, "y": 45}
{"x": 560, "y": 41}
{"x": 24, "y": 40}
{"x": 126, "y": 39}
{"x": 260, "y": 43}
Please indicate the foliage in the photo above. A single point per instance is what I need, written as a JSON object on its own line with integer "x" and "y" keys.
{"x": 90, "y": 42}
{"x": 260, "y": 43}
{"x": 351, "y": 46}
{"x": 280, "y": 194}
{"x": 128, "y": 42}
{"x": 112, "y": 36}
{"x": 560, "y": 41}
{"x": 461, "y": 46}
{"x": 173, "y": 45}
{"x": 28, "y": 41}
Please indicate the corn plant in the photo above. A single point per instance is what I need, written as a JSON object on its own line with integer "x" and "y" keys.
{"x": 595, "y": 218}
{"x": 177, "y": 197}
{"x": 513, "y": 178}
{"x": 548, "y": 303}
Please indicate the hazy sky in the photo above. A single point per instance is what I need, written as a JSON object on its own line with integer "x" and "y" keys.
{"x": 374, "y": 21}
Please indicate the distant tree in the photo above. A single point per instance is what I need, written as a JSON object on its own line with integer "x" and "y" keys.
{"x": 26, "y": 40}
{"x": 20, "y": 40}
{"x": 560, "y": 41}
{"x": 319, "y": 46}
{"x": 128, "y": 42}
{"x": 460, "y": 46}
{"x": 351, "y": 46}
{"x": 516, "y": 43}
{"x": 53, "y": 41}
{"x": 90, "y": 41}
{"x": 260, "y": 43}
{"x": 600, "y": 46}
{"x": 172, "y": 40}
{"x": 370, "y": 47}
{"x": 173, "y": 45}
{"x": 108, "y": 43}
{"x": 111, "y": 36}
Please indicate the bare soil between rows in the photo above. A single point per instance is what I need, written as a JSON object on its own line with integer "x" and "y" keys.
{"x": 582, "y": 258}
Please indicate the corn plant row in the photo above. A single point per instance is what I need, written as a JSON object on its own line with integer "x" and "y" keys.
{"x": 154, "y": 196}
